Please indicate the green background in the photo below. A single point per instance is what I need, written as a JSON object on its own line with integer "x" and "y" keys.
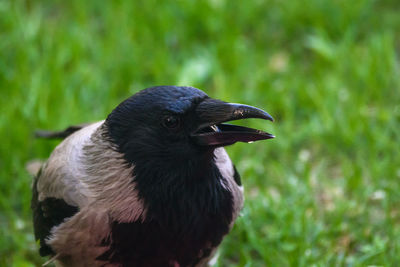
{"x": 325, "y": 192}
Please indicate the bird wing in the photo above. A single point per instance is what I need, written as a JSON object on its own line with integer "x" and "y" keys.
{"x": 46, "y": 214}
{"x": 83, "y": 185}
{"x": 57, "y": 191}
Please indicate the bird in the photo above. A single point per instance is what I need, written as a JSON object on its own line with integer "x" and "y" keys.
{"x": 151, "y": 185}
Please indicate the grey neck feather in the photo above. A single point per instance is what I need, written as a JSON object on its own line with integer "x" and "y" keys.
{"x": 109, "y": 179}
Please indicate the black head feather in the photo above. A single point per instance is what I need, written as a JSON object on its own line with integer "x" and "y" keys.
{"x": 139, "y": 125}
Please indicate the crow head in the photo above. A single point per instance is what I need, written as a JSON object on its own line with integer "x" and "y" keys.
{"x": 170, "y": 134}
{"x": 170, "y": 123}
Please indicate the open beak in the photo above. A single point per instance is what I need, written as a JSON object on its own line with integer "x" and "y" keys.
{"x": 212, "y": 130}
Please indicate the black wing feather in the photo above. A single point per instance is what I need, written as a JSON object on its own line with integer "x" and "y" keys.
{"x": 46, "y": 214}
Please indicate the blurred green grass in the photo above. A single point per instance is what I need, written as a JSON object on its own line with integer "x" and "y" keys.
{"x": 325, "y": 192}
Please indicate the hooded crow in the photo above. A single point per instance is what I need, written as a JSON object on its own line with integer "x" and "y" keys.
{"x": 150, "y": 186}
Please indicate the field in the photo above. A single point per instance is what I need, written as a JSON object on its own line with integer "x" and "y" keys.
{"x": 324, "y": 192}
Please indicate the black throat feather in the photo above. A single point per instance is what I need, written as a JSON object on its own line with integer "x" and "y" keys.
{"x": 188, "y": 211}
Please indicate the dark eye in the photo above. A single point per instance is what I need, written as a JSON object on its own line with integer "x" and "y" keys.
{"x": 171, "y": 122}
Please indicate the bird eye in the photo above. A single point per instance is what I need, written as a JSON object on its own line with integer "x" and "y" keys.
{"x": 171, "y": 122}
